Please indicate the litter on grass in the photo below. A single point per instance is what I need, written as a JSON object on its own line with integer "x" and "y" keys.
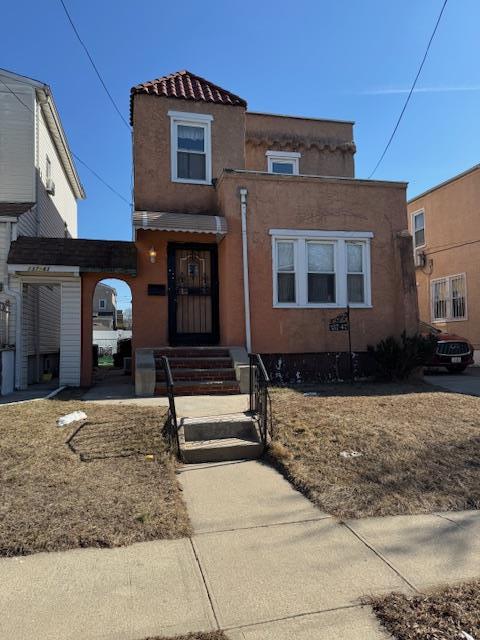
{"x": 351, "y": 454}
{"x": 310, "y": 394}
{"x": 75, "y": 416}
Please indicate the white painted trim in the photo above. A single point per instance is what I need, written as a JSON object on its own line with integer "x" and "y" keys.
{"x": 283, "y": 154}
{"x": 340, "y": 265}
{"x": 283, "y": 157}
{"x": 246, "y": 282}
{"x": 190, "y": 119}
{"x": 413, "y": 216}
{"x": 318, "y": 233}
{"x": 42, "y": 269}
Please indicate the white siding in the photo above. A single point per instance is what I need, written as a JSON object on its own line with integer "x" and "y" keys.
{"x": 17, "y": 143}
{"x": 70, "y": 340}
{"x": 53, "y": 210}
{"x": 49, "y": 318}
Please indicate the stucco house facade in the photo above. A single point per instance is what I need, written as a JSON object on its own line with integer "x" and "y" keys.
{"x": 443, "y": 221}
{"x": 39, "y": 190}
{"x": 250, "y": 233}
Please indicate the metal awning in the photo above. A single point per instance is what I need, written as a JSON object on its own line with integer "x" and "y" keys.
{"x": 186, "y": 222}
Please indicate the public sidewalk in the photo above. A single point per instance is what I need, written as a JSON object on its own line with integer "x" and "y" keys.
{"x": 263, "y": 564}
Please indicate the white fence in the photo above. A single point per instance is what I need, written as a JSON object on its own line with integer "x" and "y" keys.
{"x": 107, "y": 340}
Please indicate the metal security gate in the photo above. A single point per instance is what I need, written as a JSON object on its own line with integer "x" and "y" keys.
{"x": 193, "y": 294}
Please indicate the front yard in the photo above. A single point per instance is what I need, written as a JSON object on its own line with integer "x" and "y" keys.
{"x": 443, "y": 614}
{"x": 113, "y": 484}
{"x": 420, "y": 448}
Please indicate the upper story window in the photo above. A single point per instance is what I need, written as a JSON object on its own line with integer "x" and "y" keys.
{"x": 102, "y": 303}
{"x": 321, "y": 268}
{"x": 191, "y": 156}
{"x": 418, "y": 229}
{"x": 285, "y": 162}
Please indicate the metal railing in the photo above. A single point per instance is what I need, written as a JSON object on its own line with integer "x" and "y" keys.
{"x": 170, "y": 429}
{"x": 260, "y": 401}
{"x": 4, "y": 323}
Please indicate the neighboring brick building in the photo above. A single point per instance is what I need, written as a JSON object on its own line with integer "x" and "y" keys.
{"x": 444, "y": 221}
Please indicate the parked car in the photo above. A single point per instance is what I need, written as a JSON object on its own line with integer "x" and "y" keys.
{"x": 452, "y": 352}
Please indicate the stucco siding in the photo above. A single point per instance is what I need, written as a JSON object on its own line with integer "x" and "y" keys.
{"x": 17, "y": 143}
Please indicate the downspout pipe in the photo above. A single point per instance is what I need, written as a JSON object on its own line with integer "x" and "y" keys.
{"x": 246, "y": 285}
{"x": 11, "y": 235}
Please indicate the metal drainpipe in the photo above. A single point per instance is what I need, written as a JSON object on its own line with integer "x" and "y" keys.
{"x": 18, "y": 314}
{"x": 246, "y": 288}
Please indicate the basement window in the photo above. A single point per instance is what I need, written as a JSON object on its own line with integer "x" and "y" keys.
{"x": 191, "y": 157}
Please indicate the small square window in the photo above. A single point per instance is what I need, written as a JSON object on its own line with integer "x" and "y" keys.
{"x": 283, "y": 162}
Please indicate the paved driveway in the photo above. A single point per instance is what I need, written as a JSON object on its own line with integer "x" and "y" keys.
{"x": 467, "y": 382}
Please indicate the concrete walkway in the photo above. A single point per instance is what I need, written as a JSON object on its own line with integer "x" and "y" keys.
{"x": 263, "y": 564}
{"x": 467, "y": 382}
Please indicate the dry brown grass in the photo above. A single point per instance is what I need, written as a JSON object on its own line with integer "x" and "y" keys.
{"x": 420, "y": 448}
{"x": 439, "y": 615}
{"x": 100, "y": 490}
{"x": 212, "y": 635}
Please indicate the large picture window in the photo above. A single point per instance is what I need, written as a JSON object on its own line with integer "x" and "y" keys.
{"x": 191, "y": 147}
{"x": 321, "y": 269}
{"x": 449, "y": 298}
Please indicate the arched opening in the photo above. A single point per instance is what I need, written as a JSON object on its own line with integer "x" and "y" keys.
{"x": 112, "y": 331}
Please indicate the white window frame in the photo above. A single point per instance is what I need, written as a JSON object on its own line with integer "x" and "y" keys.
{"x": 449, "y": 300}
{"x": 190, "y": 120}
{"x": 413, "y": 216}
{"x": 284, "y": 157}
{"x": 102, "y": 304}
{"x": 300, "y": 238}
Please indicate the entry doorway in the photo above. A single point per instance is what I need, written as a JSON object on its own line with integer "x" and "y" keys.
{"x": 193, "y": 317}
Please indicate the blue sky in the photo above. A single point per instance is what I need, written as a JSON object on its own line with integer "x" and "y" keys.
{"x": 344, "y": 59}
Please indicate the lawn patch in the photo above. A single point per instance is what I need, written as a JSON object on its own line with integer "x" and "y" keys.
{"x": 420, "y": 448}
{"x": 442, "y": 614}
{"x": 110, "y": 482}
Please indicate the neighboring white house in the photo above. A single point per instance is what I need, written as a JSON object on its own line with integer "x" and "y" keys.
{"x": 39, "y": 190}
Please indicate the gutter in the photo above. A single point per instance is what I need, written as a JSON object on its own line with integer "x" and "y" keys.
{"x": 246, "y": 285}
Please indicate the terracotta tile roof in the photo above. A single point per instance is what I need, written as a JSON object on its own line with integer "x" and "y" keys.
{"x": 113, "y": 256}
{"x": 187, "y": 86}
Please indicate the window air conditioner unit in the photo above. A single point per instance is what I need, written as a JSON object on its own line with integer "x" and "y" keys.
{"x": 50, "y": 186}
{"x": 420, "y": 259}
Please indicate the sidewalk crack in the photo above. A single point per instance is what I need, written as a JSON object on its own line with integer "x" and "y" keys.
{"x": 205, "y": 584}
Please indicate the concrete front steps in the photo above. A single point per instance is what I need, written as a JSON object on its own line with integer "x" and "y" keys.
{"x": 197, "y": 371}
{"x": 219, "y": 438}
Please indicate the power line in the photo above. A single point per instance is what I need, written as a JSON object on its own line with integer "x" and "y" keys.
{"x": 411, "y": 90}
{"x": 95, "y": 68}
{"x": 99, "y": 177}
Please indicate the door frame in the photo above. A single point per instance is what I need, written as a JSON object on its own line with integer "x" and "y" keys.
{"x": 192, "y": 339}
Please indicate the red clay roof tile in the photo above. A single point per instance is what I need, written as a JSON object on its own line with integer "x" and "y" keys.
{"x": 187, "y": 86}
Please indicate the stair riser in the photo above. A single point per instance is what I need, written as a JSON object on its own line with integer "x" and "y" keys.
{"x": 197, "y": 363}
{"x": 200, "y": 390}
{"x": 217, "y": 431}
{"x": 192, "y": 353}
{"x": 202, "y": 376}
{"x": 236, "y": 452}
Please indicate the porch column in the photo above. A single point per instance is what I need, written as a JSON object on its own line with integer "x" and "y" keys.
{"x": 70, "y": 332}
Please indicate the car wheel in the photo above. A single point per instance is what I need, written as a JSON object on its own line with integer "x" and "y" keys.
{"x": 456, "y": 368}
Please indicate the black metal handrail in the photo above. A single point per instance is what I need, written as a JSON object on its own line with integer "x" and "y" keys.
{"x": 260, "y": 400}
{"x": 171, "y": 427}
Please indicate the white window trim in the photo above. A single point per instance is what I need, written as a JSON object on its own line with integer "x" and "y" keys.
{"x": 285, "y": 157}
{"x": 300, "y": 238}
{"x": 413, "y": 216}
{"x": 449, "y": 317}
{"x": 190, "y": 119}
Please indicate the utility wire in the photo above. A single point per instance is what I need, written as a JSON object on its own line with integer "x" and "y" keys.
{"x": 115, "y": 106}
{"x": 411, "y": 90}
{"x": 99, "y": 177}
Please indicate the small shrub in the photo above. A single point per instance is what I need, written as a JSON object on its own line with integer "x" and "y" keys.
{"x": 397, "y": 358}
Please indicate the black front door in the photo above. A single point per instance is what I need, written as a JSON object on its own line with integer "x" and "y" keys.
{"x": 193, "y": 294}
